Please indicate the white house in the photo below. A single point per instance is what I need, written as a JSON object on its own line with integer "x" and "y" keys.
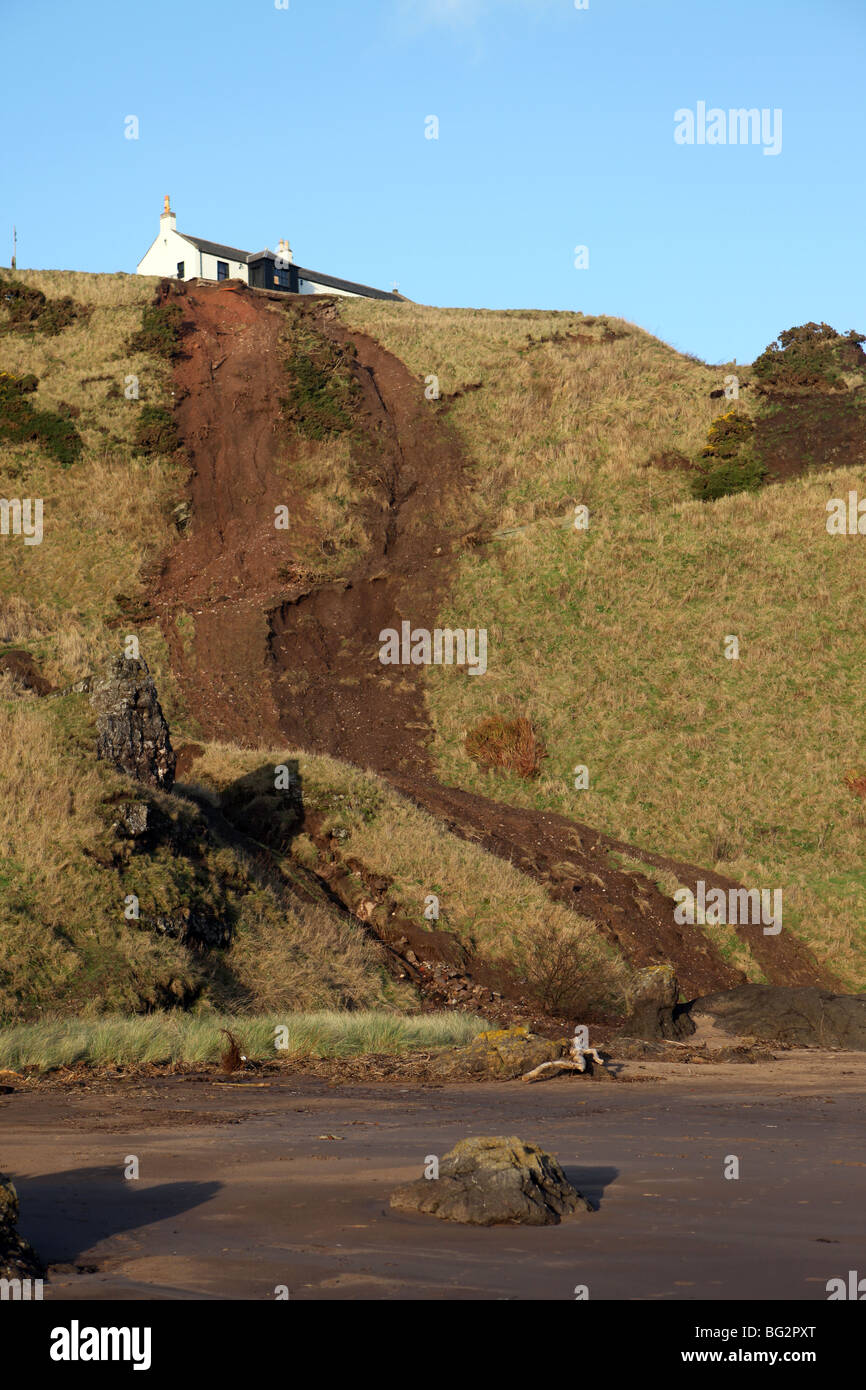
{"x": 177, "y": 255}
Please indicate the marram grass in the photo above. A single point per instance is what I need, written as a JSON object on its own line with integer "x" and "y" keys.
{"x": 176, "y": 1037}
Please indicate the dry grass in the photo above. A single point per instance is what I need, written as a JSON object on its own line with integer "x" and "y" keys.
{"x": 618, "y": 632}
{"x": 108, "y": 514}
{"x": 64, "y": 941}
{"x": 484, "y": 901}
{"x": 506, "y": 743}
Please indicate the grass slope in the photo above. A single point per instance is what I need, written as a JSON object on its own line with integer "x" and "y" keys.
{"x": 612, "y": 639}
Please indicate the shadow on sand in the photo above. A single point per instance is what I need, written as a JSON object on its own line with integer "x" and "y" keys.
{"x": 66, "y": 1214}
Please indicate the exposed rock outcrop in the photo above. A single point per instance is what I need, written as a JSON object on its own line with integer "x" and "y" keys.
{"x": 802, "y": 1017}
{"x": 492, "y": 1181}
{"x": 18, "y": 1259}
{"x": 132, "y": 732}
{"x": 653, "y": 1006}
{"x": 197, "y": 926}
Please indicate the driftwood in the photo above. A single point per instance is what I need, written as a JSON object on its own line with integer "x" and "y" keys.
{"x": 576, "y": 1061}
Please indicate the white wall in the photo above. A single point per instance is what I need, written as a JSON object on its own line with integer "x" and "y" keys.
{"x": 170, "y": 247}
{"x": 312, "y": 287}
{"x": 238, "y": 270}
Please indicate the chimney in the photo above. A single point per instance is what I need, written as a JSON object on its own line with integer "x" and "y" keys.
{"x": 284, "y": 251}
{"x": 168, "y": 220}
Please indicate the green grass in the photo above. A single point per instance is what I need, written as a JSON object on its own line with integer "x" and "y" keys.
{"x": 191, "y": 1039}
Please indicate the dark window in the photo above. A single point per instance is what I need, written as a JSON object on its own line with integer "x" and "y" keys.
{"x": 222, "y": 270}
{"x": 180, "y": 268}
{"x": 281, "y": 278}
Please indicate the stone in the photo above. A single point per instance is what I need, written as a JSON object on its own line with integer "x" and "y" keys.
{"x": 653, "y": 1009}
{"x": 802, "y": 1016}
{"x": 18, "y": 1259}
{"x": 134, "y": 821}
{"x": 132, "y": 733}
{"x": 504, "y": 1054}
{"x": 494, "y": 1181}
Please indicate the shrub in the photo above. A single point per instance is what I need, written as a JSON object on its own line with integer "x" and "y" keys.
{"x": 568, "y": 975}
{"x": 856, "y": 783}
{"x": 322, "y": 388}
{"x": 506, "y": 743}
{"x": 155, "y": 431}
{"x": 733, "y": 466}
{"x": 160, "y": 332}
{"x": 21, "y": 422}
{"x": 811, "y": 357}
{"x": 28, "y": 308}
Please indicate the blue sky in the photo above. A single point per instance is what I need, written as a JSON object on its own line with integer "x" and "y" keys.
{"x": 556, "y": 129}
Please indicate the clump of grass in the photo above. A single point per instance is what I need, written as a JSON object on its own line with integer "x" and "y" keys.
{"x": 160, "y": 332}
{"x": 22, "y": 423}
{"x": 511, "y": 744}
{"x": 162, "y": 1038}
{"x": 155, "y": 431}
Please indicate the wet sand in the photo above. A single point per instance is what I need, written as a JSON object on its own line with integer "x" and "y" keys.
{"x": 240, "y": 1193}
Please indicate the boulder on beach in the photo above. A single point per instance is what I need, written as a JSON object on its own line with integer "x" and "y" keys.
{"x": 18, "y": 1260}
{"x": 652, "y": 1002}
{"x": 503, "y": 1054}
{"x": 493, "y": 1181}
{"x": 802, "y": 1016}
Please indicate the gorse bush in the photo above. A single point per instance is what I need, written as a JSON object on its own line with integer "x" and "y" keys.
{"x": 22, "y": 423}
{"x": 733, "y": 465}
{"x": 28, "y": 308}
{"x": 812, "y": 357}
{"x": 160, "y": 332}
{"x": 322, "y": 390}
{"x": 156, "y": 431}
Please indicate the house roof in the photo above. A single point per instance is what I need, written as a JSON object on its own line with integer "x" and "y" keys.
{"x": 234, "y": 253}
{"x": 214, "y": 248}
{"x": 349, "y": 285}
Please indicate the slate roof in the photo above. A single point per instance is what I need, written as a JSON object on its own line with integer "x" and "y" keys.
{"x": 350, "y": 285}
{"x": 213, "y": 248}
{"x": 234, "y": 253}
